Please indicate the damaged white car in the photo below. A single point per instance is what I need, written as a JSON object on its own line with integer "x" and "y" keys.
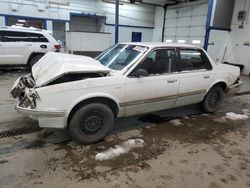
{"x": 85, "y": 95}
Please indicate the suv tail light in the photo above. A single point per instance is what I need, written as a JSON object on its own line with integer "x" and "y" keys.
{"x": 57, "y": 46}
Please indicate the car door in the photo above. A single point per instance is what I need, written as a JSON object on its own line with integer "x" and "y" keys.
{"x": 155, "y": 90}
{"x": 1, "y": 48}
{"x": 195, "y": 76}
{"x": 16, "y": 47}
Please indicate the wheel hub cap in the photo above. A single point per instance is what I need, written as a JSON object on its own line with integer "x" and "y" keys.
{"x": 92, "y": 124}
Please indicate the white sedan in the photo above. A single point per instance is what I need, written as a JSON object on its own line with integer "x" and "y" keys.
{"x": 85, "y": 95}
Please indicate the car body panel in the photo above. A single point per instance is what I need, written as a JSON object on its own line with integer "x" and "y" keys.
{"x": 53, "y": 65}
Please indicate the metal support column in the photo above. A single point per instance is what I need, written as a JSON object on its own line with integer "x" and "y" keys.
{"x": 208, "y": 22}
{"x": 116, "y": 21}
{"x": 164, "y": 22}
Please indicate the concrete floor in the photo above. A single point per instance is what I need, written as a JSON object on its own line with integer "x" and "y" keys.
{"x": 200, "y": 151}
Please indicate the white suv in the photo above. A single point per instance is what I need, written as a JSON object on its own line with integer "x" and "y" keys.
{"x": 25, "y": 46}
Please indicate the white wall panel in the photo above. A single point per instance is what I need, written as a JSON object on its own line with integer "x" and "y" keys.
{"x": 171, "y": 13}
{"x": 183, "y": 31}
{"x": 170, "y": 31}
{"x": 184, "y": 12}
{"x": 183, "y": 22}
{"x": 197, "y": 31}
{"x": 190, "y": 23}
{"x": 232, "y": 43}
{"x": 200, "y": 10}
{"x": 2, "y": 21}
{"x": 171, "y": 23}
{"x": 130, "y": 14}
{"x": 198, "y": 20}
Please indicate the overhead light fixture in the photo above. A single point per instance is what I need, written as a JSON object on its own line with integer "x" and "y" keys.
{"x": 196, "y": 41}
{"x": 168, "y": 41}
{"x": 181, "y": 41}
{"x": 21, "y": 21}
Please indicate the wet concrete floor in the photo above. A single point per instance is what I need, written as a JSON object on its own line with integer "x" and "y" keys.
{"x": 183, "y": 148}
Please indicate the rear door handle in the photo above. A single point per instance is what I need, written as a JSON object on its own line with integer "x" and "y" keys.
{"x": 206, "y": 77}
{"x": 172, "y": 81}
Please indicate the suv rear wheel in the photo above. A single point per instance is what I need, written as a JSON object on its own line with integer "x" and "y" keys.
{"x": 91, "y": 123}
{"x": 34, "y": 59}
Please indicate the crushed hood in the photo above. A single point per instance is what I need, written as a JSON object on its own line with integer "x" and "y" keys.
{"x": 52, "y": 65}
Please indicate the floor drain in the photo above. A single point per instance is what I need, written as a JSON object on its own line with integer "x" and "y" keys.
{"x": 19, "y": 131}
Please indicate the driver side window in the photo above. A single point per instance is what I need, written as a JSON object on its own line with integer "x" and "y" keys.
{"x": 160, "y": 61}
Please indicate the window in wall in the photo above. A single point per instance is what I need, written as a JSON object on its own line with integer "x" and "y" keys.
{"x": 24, "y": 22}
{"x": 159, "y": 62}
{"x": 192, "y": 60}
{"x": 136, "y": 36}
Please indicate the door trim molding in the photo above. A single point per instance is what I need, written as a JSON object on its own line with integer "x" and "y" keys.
{"x": 162, "y": 98}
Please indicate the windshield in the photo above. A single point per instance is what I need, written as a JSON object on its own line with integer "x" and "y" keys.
{"x": 119, "y": 56}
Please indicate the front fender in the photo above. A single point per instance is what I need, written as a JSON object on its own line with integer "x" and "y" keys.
{"x": 86, "y": 97}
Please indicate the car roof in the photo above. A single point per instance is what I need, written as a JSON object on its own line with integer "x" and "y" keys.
{"x": 22, "y": 29}
{"x": 161, "y": 44}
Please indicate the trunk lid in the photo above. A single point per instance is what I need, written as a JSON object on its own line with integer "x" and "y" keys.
{"x": 52, "y": 65}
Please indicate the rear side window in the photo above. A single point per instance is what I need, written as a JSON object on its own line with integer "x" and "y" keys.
{"x": 1, "y": 36}
{"x": 192, "y": 59}
{"x": 15, "y": 36}
{"x": 36, "y": 37}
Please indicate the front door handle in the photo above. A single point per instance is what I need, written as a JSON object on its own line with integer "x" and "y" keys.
{"x": 206, "y": 77}
{"x": 172, "y": 81}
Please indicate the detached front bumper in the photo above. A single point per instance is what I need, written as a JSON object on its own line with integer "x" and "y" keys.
{"x": 46, "y": 118}
{"x": 235, "y": 88}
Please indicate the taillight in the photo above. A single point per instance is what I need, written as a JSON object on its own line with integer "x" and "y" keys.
{"x": 57, "y": 46}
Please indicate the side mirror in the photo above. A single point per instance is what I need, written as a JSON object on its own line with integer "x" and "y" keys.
{"x": 141, "y": 73}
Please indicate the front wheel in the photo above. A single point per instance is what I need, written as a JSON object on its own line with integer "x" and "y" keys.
{"x": 213, "y": 99}
{"x": 91, "y": 123}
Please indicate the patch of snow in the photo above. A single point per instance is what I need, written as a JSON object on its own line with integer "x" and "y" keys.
{"x": 118, "y": 150}
{"x": 234, "y": 116}
{"x": 176, "y": 122}
{"x": 246, "y": 112}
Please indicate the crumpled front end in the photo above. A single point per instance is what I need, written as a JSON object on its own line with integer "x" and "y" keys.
{"x": 24, "y": 90}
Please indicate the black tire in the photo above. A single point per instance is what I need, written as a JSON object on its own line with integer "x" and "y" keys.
{"x": 213, "y": 99}
{"x": 91, "y": 123}
{"x": 34, "y": 59}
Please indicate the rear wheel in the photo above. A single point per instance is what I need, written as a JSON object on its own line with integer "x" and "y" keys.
{"x": 91, "y": 123}
{"x": 213, "y": 99}
{"x": 34, "y": 59}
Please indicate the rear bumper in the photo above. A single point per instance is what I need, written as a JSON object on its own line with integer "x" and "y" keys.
{"x": 46, "y": 119}
{"x": 235, "y": 88}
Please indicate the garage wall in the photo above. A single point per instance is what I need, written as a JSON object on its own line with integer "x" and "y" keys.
{"x": 231, "y": 44}
{"x": 186, "y": 23}
{"x": 132, "y": 16}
